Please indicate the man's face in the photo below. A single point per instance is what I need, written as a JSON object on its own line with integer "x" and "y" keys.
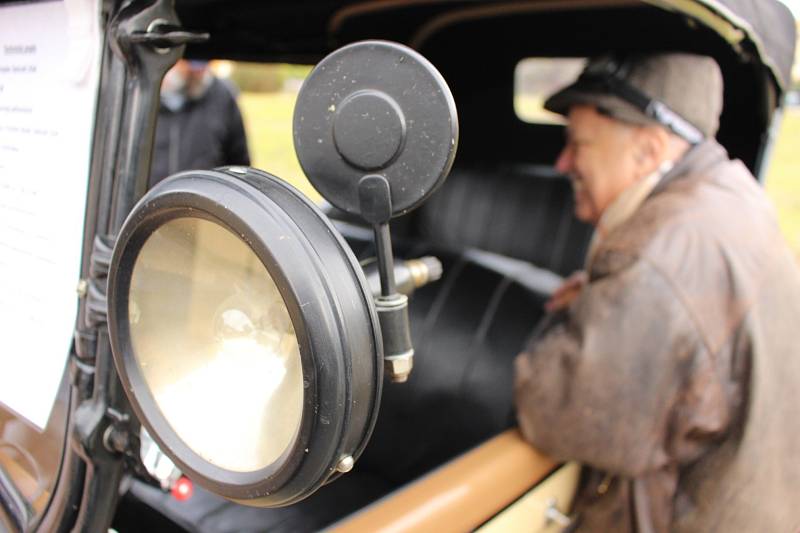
{"x": 599, "y": 157}
{"x": 185, "y": 76}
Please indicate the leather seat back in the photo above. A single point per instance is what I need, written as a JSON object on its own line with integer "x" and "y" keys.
{"x": 522, "y": 214}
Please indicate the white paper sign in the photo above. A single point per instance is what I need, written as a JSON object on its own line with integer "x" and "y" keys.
{"x": 49, "y": 71}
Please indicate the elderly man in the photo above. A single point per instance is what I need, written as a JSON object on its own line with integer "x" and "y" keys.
{"x": 669, "y": 368}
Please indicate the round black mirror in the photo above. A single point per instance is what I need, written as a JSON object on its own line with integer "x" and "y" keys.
{"x": 245, "y": 334}
{"x": 375, "y": 129}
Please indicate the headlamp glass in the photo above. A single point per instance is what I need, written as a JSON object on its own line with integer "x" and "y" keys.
{"x": 215, "y": 344}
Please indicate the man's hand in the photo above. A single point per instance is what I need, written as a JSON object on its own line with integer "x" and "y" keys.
{"x": 568, "y": 291}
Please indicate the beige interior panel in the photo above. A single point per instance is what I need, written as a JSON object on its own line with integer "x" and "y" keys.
{"x": 462, "y": 494}
{"x": 543, "y": 508}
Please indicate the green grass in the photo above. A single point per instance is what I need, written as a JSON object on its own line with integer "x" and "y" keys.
{"x": 783, "y": 177}
{"x": 268, "y": 122}
{"x": 268, "y": 119}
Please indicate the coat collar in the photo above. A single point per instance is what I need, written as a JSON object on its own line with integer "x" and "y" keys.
{"x": 696, "y": 160}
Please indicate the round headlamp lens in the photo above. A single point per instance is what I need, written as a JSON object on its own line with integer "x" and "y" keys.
{"x": 215, "y": 344}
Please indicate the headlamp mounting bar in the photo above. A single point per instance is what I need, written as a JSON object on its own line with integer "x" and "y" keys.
{"x": 376, "y": 208}
{"x": 103, "y": 441}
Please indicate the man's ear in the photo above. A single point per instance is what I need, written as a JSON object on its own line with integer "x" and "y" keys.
{"x": 652, "y": 143}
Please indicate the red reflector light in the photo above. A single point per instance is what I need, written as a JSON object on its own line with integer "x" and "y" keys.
{"x": 183, "y": 489}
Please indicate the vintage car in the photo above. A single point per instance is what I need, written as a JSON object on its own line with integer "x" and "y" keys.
{"x": 98, "y": 443}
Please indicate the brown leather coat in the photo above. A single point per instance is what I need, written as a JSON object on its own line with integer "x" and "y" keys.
{"x": 674, "y": 376}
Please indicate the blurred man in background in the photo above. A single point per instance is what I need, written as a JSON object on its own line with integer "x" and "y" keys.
{"x": 199, "y": 123}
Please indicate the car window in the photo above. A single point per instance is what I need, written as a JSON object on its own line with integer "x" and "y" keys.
{"x": 267, "y": 94}
{"x": 535, "y": 78}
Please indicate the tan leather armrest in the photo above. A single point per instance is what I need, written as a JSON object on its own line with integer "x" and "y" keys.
{"x": 460, "y": 495}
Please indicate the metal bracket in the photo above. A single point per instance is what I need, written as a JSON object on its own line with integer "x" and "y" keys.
{"x": 375, "y": 201}
{"x": 162, "y": 35}
{"x": 553, "y": 516}
{"x": 146, "y": 40}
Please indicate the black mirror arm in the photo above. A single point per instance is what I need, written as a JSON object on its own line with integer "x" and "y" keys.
{"x": 375, "y": 201}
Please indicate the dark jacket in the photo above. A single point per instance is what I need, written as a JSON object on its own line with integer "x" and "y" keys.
{"x": 674, "y": 375}
{"x": 203, "y": 134}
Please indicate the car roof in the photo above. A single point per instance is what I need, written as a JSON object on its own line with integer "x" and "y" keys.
{"x": 768, "y": 25}
{"x": 283, "y": 30}
{"x": 478, "y": 44}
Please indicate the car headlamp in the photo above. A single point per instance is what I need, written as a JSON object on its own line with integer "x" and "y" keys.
{"x": 245, "y": 334}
